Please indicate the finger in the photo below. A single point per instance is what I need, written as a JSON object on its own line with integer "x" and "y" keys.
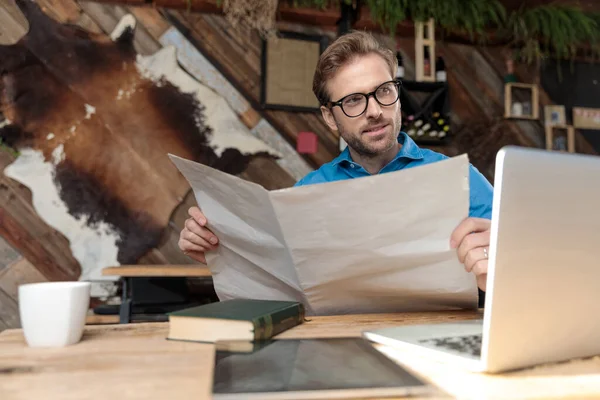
{"x": 482, "y": 282}
{"x": 471, "y": 241}
{"x": 186, "y": 245}
{"x": 480, "y": 267}
{"x": 466, "y": 227}
{"x": 473, "y": 256}
{"x": 197, "y": 215}
{"x": 196, "y": 255}
{"x": 204, "y": 233}
{"x": 192, "y": 238}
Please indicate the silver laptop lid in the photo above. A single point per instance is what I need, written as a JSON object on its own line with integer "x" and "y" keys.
{"x": 543, "y": 292}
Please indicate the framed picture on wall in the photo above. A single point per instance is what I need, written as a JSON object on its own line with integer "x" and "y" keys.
{"x": 288, "y": 64}
{"x": 555, "y": 116}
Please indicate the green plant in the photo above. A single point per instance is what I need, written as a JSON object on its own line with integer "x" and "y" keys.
{"x": 558, "y": 31}
{"x": 462, "y": 16}
{"x": 551, "y": 30}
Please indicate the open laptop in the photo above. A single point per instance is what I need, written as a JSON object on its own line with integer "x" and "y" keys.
{"x": 542, "y": 302}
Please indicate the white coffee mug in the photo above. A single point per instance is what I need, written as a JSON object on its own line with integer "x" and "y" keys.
{"x": 53, "y": 313}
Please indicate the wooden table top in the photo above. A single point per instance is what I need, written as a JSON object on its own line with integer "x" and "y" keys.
{"x": 158, "y": 271}
{"x": 136, "y": 361}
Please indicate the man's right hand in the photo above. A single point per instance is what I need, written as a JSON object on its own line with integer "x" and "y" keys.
{"x": 195, "y": 239}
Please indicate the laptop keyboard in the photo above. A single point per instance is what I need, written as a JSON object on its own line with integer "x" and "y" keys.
{"x": 464, "y": 344}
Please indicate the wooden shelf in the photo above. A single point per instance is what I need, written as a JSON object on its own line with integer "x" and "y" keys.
{"x": 570, "y": 137}
{"x": 158, "y": 271}
{"x": 520, "y": 117}
{"x": 508, "y": 102}
{"x": 422, "y": 42}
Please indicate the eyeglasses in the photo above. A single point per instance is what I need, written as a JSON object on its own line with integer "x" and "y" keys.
{"x": 355, "y": 104}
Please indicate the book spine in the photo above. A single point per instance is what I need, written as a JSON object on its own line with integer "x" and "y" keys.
{"x": 273, "y": 324}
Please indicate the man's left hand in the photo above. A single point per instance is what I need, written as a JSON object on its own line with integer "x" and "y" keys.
{"x": 471, "y": 238}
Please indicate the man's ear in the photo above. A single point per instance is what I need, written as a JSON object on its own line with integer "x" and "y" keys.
{"x": 329, "y": 119}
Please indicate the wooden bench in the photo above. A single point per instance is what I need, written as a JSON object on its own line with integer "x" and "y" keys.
{"x": 139, "y": 275}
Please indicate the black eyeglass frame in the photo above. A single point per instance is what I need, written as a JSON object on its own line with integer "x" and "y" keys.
{"x": 338, "y": 103}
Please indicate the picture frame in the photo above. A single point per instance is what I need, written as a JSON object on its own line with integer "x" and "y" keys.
{"x": 554, "y": 115}
{"x": 288, "y": 63}
{"x": 586, "y": 118}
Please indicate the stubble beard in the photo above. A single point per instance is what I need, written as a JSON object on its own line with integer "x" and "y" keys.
{"x": 360, "y": 144}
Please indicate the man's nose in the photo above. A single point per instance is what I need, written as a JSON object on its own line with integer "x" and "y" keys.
{"x": 373, "y": 108}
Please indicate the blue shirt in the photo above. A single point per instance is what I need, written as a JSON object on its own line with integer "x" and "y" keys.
{"x": 409, "y": 156}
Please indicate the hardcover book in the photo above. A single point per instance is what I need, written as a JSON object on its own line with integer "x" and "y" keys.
{"x": 238, "y": 319}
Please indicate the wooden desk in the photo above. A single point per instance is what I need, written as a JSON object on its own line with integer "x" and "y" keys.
{"x": 135, "y": 361}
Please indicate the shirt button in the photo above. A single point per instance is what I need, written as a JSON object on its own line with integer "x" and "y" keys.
{"x": 351, "y": 165}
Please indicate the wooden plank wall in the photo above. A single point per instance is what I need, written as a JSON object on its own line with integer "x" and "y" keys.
{"x": 475, "y": 76}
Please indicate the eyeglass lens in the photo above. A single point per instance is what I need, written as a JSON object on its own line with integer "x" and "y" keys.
{"x": 356, "y": 104}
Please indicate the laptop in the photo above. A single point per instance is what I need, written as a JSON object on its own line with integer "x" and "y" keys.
{"x": 542, "y": 302}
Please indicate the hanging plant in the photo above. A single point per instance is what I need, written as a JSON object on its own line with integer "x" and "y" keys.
{"x": 551, "y": 30}
{"x": 472, "y": 17}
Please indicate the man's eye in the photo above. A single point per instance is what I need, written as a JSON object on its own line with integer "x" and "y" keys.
{"x": 353, "y": 100}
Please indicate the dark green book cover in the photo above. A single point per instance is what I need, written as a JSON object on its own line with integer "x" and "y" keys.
{"x": 269, "y": 317}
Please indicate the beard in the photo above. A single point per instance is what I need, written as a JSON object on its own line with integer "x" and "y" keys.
{"x": 365, "y": 145}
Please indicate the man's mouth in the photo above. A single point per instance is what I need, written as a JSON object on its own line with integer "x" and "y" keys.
{"x": 375, "y": 130}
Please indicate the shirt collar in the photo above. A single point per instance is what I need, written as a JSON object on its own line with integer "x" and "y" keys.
{"x": 409, "y": 150}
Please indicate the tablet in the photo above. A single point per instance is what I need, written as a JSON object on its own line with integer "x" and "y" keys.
{"x": 309, "y": 369}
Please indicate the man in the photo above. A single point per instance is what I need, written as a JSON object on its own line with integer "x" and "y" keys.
{"x": 354, "y": 82}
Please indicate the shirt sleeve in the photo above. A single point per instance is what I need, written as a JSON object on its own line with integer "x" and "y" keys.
{"x": 482, "y": 194}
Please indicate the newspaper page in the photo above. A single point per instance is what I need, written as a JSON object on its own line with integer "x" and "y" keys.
{"x": 365, "y": 245}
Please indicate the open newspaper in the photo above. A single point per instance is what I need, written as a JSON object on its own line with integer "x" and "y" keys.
{"x": 374, "y": 244}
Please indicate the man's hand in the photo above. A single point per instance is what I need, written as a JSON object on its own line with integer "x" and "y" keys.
{"x": 471, "y": 238}
{"x": 195, "y": 238}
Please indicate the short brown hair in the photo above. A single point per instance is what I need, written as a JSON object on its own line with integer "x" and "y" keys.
{"x": 343, "y": 50}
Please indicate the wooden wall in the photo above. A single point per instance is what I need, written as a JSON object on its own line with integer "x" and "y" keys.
{"x": 475, "y": 76}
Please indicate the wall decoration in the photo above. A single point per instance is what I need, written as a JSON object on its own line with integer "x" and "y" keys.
{"x": 307, "y": 142}
{"x": 425, "y": 59}
{"x": 288, "y": 65}
{"x": 560, "y": 142}
{"x": 93, "y": 122}
{"x": 554, "y": 115}
{"x": 521, "y": 107}
{"x": 586, "y": 118}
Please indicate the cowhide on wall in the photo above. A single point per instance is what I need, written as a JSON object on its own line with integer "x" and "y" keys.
{"x": 94, "y": 122}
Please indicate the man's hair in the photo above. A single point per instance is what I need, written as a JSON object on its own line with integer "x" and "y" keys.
{"x": 344, "y": 50}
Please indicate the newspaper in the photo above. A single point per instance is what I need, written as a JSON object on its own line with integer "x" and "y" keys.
{"x": 365, "y": 245}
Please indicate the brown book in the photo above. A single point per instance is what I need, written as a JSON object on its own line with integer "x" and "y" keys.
{"x": 239, "y": 319}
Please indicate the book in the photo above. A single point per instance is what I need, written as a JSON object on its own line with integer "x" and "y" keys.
{"x": 238, "y": 319}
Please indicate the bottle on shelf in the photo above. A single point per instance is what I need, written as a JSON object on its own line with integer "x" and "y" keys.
{"x": 426, "y": 62}
{"x": 510, "y": 71}
{"x": 440, "y": 70}
{"x": 400, "y": 71}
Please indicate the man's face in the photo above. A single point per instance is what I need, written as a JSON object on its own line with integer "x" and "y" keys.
{"x": 375, "y": 131}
